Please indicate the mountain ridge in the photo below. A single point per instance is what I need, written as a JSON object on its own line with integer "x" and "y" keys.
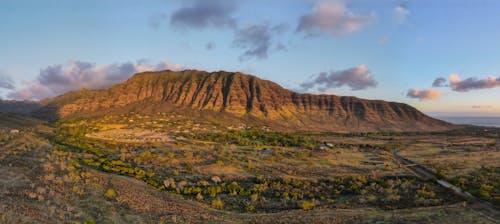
{"x": 235, "y": 95}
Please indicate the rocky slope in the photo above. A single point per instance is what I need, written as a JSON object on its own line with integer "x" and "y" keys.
{"x": 232, "y": 97}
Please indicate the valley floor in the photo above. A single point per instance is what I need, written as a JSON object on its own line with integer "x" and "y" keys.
{"x": 56, "y": 175}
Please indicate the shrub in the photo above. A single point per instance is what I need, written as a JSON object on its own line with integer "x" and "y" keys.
{"x": 254, "y": 197}
{"x": 218, "y": 204}
{"x": 307, "y": 205}
{"x": 250, "y": 208}
{"x": 110, "y": 193}
{"x": 216, "y": 179}
{"x": 199, "y": 196}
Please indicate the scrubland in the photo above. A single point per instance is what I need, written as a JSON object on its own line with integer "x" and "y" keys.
{"x": 83, "y": 171}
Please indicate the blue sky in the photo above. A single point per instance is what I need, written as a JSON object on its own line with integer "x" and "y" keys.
{"x": 384, "y": 49}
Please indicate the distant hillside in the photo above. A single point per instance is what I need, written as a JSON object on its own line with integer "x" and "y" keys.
{"x": 16, "y": 121}
{"x": 19, "y": 107}
{"x": 226, "y": 97}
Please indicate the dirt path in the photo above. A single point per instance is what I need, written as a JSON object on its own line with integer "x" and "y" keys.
{"x": 486, "y": 208}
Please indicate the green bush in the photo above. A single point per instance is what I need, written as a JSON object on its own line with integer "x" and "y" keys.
{"x": 217, "y": 203}
{"x": 307, "y": 205}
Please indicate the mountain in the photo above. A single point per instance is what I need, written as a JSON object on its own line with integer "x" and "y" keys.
{"x": 19, "y": 107}
{"x": 227, "y": 97}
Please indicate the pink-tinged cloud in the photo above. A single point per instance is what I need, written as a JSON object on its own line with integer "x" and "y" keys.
{"x": 333, "y": 17}
{"x": 74, "y": 75}
{"x": 425, "y": 94}
{"x": 357, "y": 78}
{"x": 459, "y": 85}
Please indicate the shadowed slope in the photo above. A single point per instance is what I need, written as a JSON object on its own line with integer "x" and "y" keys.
{"x": 19, "y": 107}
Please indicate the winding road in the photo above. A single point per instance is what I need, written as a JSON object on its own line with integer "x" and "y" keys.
{"x": 425, "y": 174}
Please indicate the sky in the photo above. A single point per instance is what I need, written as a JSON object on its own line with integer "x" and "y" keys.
{"x": 441, "y": 57}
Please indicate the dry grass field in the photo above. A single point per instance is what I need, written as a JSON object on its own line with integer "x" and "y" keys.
{"x": 64, "y": 173}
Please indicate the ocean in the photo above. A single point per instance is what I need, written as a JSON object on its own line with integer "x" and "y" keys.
{"x": 479, "y": 121}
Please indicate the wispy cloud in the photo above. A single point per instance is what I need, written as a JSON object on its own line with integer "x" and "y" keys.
{"x": 482, "y": 106}
{"x": 74, "y": 75}
{"x": 210, "y": 45}
{"x": 425, "y": 94}
{"x": 333, "y": 17}
{"x": 357, "y": 78}
{"x": 401, "y": 13}
{"x": 383, "y": 41}
{"x": 5, "y": 81}
{"x": 203, "y": 13}
{"x": 156, "y": 20}
{"x": 257, "y": 40}
{"x": 439, "y": 82}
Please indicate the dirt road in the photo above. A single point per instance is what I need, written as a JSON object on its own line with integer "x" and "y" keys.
{"x": 425, "y": 174}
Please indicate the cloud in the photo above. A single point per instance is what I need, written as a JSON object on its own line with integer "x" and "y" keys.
{"x": 210, "y": 45}
{"x": 357, "y": 78}
{"x": 281, "y": 47}
{"x": 256, "y": 39}
{"x": 459, "y": 85}
{"x": 157, "y": 19}
{"x": 383, "y": 41}
{"x": 401, "y": 13}
{"x": 482, "y": 106}
{"x": 74, "y": 75}
{"x": 333, "y": 17}
{"x": 439, "y": 82}
{"x": 6, "y": 82}
{"x": 203, "y": 13}
{"x": 428, "y": 94}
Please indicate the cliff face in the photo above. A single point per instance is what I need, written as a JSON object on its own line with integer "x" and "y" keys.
{"x": 249, "y": 98}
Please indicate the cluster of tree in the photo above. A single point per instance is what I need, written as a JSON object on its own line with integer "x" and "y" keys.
{"x": 306, "y": 194}
{"x": 124, "y": 168}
